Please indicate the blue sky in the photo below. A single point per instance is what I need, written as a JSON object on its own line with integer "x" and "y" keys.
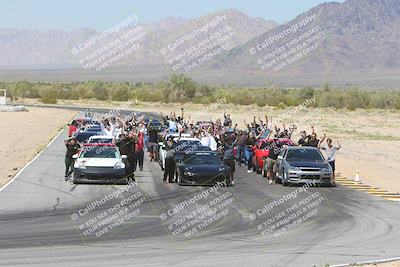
{"x": 101, "y": 14}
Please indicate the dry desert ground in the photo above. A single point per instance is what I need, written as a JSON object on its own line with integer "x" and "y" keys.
{"x": 24, "y": 134}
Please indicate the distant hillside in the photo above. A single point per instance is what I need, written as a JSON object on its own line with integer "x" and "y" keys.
{"x": 358, "y": 35}
{"x": 53, "y": 47}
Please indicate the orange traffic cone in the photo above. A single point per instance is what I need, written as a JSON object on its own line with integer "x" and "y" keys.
{"x": 357, "y": 179}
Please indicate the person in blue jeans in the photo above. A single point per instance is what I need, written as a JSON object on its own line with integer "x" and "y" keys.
{"x": 248, "y": 151}
{"x": 240, "y": 147}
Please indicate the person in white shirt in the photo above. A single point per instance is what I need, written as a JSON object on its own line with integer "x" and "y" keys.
{"x": 330, "y": 153}
{"x": 205, "y": 139}
{"x": 213, "y": 143}
{"x": 172, "y": 126}
{"x": 117, "y": 131}
{"x": 108, "y": 130}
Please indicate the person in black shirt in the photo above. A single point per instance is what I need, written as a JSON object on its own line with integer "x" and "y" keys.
{"x": 125, "y": 146}
{"x": 132, "y": 139}
{"x": 303, "y": 138}
{"x": 169, "y": 170}
{"x": 286, "y": 134}
{"x": 313, "y": 141}
{"x": 227, "y": 119}
{"x": 274, "y": 150}
{"x": 152, "y": 132}
{"x": 248, "y": 152}
{"x": 72, "y": 148}
{"x": 228, "y": 157}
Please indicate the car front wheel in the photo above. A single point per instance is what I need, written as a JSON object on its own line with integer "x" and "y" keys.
{"x": 285, "y": 182}
{"x": 278, "y": 179}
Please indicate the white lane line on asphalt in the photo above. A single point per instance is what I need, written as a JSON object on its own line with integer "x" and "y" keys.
{"x": 367, "y": 262}
{"x": 30, "y": 162}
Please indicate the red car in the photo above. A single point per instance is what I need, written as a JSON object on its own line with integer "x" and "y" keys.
{"x": 261, "y": 151}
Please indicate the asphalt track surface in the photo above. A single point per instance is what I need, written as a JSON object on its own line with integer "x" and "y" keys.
{"x": 38, "y": 227}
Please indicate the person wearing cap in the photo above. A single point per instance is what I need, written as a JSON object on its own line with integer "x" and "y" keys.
{"x": 72, "y": 148}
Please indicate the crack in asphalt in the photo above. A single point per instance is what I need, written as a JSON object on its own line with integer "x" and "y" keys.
{"x": 57, "y": 202}
{"x": 48, "y": 187}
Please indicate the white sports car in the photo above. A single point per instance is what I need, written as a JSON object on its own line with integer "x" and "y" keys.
{"x": 99, "y": 163}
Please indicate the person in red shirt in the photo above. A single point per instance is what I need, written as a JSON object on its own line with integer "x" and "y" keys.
{"x": 139, "y": 152}
{"x": 72, "y": 129}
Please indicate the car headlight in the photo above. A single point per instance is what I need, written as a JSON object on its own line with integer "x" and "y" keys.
{"x": 294, "y": 169}
{"x": 221, "y": 169}
{"x": 80, "y": 165}
{"x": 326, "y": 169}
{"x": 189, "y": 174}
{"x": 119, "y": 165}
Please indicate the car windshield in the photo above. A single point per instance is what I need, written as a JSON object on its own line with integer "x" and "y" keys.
{"x": 93, "y": 129}
{"x": 100, "y": 152}
{"x": 304, "y": 155}
{"x": 284, "y": 142}
{"x": 100, "y": 141}
{"x": 186, "y": 144}
{"x": 207, "y": 158}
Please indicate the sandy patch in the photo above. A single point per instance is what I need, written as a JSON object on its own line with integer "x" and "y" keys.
{"x": 24, "y": 134}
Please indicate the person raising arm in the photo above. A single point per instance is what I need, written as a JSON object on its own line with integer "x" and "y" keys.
{"x": 330, "y": 154}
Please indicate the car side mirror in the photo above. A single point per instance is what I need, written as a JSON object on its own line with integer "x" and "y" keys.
{"x": 280, "y": 157}
{"x": 124, "y": 157}
{"x": 75, "y": 156}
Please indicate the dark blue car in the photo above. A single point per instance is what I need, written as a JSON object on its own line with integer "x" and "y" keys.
{"x": 82, "y": 136}
{"x": 202, "y": 168}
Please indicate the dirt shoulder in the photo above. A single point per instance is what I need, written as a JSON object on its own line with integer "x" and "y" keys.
{"x": 24, "y": 134}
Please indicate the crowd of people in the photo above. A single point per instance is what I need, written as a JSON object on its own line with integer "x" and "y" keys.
{"x": 135, "y": 133}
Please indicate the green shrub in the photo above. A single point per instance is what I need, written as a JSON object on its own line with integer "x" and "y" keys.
{"x": 48, "y": 96}
{"x": 180, "y": 88}
{"x": 281, "y": 105}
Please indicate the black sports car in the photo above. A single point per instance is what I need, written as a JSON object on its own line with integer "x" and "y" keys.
{"x": 182, "y": 151}
{"x": 202, "y": 168}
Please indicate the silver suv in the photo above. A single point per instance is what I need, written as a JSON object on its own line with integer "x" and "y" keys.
{"x": 303, "y": 164}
